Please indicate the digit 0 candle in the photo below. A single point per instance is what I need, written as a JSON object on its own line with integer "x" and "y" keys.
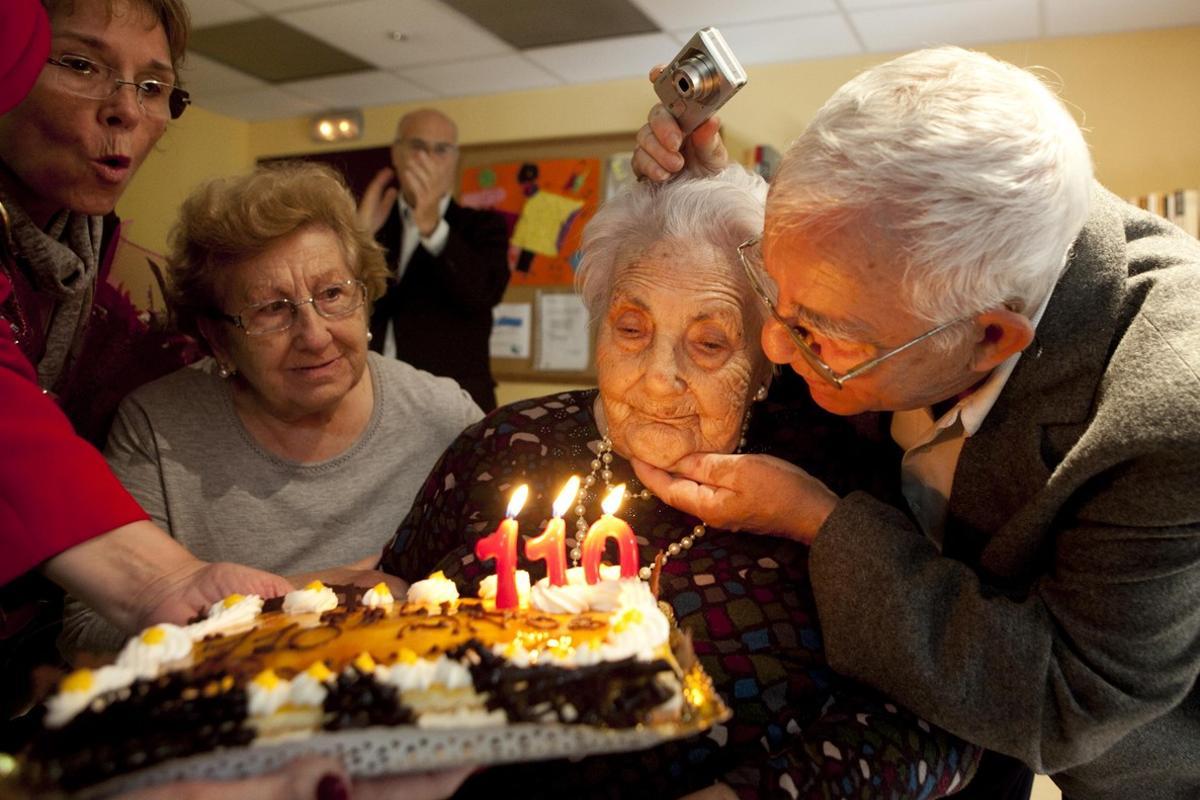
{"x": 502, "y": 546}
{"x": 605, "y": 528}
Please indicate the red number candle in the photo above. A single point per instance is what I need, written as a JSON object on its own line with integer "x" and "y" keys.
{"x": 552, "y": 544}
{"x": 601, "y": 531}
{"x": 502, "y": 546}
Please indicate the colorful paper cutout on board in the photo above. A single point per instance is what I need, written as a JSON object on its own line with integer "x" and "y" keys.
{"x": 546, "y": 205}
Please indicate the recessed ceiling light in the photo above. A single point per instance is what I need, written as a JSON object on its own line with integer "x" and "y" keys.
{"x": 397, "y": 36}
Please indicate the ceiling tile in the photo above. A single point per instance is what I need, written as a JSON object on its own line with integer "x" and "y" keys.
{"x": 482, "y": 76}
{"x": 218, "y": 12}
{"x": 962, "y": 22}
{"x": 541, "y": 23}
{"x": 677, "y": 15}
{"x": 433, "y": 32}
{"x": 858, "y": 5}
{"x": 373, "y": 88}
{"x": 272, "y": 50}
{"x": 273, "y": 6}
{"x": 623, "y": 57}
{"x": 260, "y": 104}
{"x": 203, "y": 76}
{"x": 1075, "y": 17}
{"x": 825, "y": 36}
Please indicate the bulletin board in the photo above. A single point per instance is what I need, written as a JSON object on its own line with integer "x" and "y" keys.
{"x": 586, "y": 169}
{"x": 610, "y": 154}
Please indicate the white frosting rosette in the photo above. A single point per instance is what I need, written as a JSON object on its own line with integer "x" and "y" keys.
{"x": 309, "y": 688}
{"x": 433, "y": 592}
{"x": 578, "y": 595}
{"x": 411, "y": 673}
{"x": 378, "y": 596}
{"x": 267, "y": 693}
{"x": 316, "y": 597}
{"x": 235, "y": 613}
{"x": 487, "y": 589}
{"x": 157, "y": 646}
{"x": 80, "y": 688}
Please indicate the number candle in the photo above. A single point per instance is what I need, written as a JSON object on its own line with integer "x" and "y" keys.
{"x": 502, "y": 546}
{"x": 601, "y": 531}
{"x": 552, "y": 544}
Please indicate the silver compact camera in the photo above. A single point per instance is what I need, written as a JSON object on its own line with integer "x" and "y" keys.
{"x": 700, "y": 79}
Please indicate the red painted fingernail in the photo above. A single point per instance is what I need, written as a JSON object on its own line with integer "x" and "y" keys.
{"x": 332, "y": 787}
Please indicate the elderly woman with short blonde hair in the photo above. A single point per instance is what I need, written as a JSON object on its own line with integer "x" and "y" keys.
{"x": 292, "y": 448}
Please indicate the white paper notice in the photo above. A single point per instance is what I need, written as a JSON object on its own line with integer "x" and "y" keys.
{"x": 562, "y": 333}
{"x": 511, "y": 330}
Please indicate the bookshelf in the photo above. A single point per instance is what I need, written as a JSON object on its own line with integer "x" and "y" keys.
{"x": 1181, "y": 206}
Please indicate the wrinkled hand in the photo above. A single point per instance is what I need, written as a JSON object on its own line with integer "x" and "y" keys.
{"x": 755, "y": 493}
{"x": 377, "y": 200}
{"x": 179, "y": 595}
{"x": 356, "y": 574}
{"x": 718, "y": 791}
{"x": 418, "y": 786}
{"x": 425, "y": 181}
{"x": 661, "y": 150}
{"x": 310, "y": 778}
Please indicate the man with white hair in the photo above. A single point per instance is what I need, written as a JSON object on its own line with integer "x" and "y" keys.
{"x": 943, "y": 256}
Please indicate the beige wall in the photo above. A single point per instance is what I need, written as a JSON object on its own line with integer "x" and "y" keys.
{"x": 1136, "y": 94}
{"x": 198, "y": 146}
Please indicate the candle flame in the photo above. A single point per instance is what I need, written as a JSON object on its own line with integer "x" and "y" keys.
{"x": 613, "y": 501}
{"x": 518, "y": 500}
{"x": 566, "y": 496}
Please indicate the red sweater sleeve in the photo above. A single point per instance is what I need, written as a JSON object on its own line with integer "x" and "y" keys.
{"x": 55, "y": 489}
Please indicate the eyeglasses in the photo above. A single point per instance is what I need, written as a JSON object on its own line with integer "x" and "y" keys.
{"x": 331, "y": 302}
{"x": 429, "y": 148}
{"x": 750, "y": 254}
{"x": 83, "y": 77}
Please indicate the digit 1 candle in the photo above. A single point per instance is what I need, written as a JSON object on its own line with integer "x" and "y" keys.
{"x": 552, "y": 544}
{"x": 605, "y": 528}
{"x": 502, "y": 546}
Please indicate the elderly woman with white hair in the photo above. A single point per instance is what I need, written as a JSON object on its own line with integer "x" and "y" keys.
{"x": 680, "y": 373}
{"x": 943, "y": 254}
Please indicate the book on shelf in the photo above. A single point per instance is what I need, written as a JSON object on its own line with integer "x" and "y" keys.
{"x": 1181, "y": 206}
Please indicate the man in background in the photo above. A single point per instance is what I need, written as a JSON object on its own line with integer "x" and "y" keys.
{"x": 449, "y": 263}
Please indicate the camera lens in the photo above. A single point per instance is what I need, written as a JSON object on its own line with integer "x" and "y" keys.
{"x": 695, "y": 78}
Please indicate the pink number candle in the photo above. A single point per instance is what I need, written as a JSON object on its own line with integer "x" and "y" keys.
{"x": 502, "y": 546}
{"x": 601, "y": 531}
{"x": 552, "y": 544}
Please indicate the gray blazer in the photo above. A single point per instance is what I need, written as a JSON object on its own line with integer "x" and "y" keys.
{"x": 1062, "y": 623}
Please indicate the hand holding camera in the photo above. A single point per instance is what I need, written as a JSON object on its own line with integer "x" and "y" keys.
{"x": 682, "y": 129}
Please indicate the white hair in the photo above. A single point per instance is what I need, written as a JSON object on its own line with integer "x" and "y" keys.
{"x": 721, "y": 210}
{"x": 966, "y": 174}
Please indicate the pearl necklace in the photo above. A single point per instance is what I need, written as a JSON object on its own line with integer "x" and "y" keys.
{"x": 602, "y": 471}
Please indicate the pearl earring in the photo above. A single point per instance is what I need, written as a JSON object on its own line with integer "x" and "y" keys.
{"x": 370, "y": 336}
{"x": 761, "y": 394}
{"x": 223, "y": 371}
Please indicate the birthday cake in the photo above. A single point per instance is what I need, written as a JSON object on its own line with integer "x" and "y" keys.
{"x": 323, "y": 660}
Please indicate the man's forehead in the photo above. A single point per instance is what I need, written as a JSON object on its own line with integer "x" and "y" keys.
{"x": 431, "y": 127}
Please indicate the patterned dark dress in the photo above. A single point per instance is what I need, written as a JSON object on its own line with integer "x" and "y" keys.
{"x": 798, "y": 730}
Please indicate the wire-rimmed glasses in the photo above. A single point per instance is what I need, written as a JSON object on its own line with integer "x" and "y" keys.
{"x": 331, "y": 302}
{"x": 750, "y": 254}
{"x": 84, "y": 77}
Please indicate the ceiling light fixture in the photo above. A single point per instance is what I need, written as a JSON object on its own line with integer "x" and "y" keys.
{"x": 397, "y": 36}
{"x": 337, "y": 126}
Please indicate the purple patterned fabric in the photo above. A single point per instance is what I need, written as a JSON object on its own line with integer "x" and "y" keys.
{"x": 798, "y": 730}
